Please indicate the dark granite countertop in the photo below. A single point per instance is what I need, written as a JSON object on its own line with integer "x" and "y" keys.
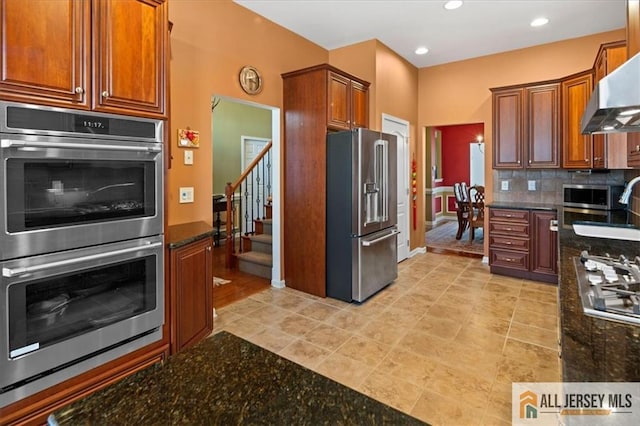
{"x": 225, "y": 380}
{"x": 594, "y": 349}
{"x": 186, "y": 233}
{"x": 522, "y": 206}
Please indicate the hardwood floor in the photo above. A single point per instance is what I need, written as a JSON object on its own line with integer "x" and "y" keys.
{"x": 241, "y": 286}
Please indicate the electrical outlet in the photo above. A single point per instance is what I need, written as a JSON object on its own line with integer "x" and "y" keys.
{"x": 531, "y": 185}
{"x": 188, "y": 157}
{"x": 186, "y": 194}
{"x": 504, "y": 185}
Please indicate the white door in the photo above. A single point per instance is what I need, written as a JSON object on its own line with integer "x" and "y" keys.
{"x": 400, "y": 128}
{"x": 259, "y": 185}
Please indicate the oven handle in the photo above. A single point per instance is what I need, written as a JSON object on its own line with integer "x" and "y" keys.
{"x": 9, "y": 272}
{"x": 6, "y": 143}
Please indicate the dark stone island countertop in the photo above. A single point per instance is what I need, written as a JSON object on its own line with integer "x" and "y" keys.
{"x": 186, "y": 233}
{"x": 225, "y": 380}
{"x": 522, "y": 206}
{"x": 594, "y": 349}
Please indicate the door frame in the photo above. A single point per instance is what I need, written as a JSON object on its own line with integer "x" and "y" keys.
{"x": 276, "y": 161}
{"x": 387, "y": 118}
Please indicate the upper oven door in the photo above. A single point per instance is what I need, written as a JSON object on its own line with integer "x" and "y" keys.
{"x": 60, "y": 193}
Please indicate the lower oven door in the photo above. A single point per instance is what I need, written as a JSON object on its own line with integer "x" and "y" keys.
{"x": 60, "y": 309}
{"x": 61, "y": 193}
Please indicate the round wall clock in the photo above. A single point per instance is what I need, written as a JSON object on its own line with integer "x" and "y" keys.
{"x": 250, "y": 80}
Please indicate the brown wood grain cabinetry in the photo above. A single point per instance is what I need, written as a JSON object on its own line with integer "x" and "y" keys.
{"x": 609, "y": 150}
{"x": 521, "y": 244}
{"x": 526, "y": 126}
{"x": 308, "y": 96}
{"x": 191, "y": 293}
{"x": 347, "y": 106}
{"x": 104, "y": 55}
{"x": 633, "y": 48}
{"x": 577, "y": 149}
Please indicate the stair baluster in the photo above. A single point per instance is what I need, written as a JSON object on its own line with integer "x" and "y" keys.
{"x": 247, "y": 194}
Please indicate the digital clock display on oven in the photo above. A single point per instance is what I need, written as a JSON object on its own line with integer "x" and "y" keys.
{"x": 90, "y": 124}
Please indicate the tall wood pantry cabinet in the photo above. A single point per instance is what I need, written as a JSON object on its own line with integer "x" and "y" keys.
{"x": 577, "y": 149}
{"x": 102, "y": 55}
{"x": 526, "y": 129}
{"x": 316, "y": 100}
{"x": 633, "y": 48}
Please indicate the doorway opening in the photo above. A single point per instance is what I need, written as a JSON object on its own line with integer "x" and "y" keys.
{"x": 454, "y": 154}
{"x": 240, "y": 126}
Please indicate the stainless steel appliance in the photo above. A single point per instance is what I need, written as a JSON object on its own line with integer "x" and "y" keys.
{"x": 67, "y": 312}
{"x": 81, "y": 242}
{"x": 592, "y": 203}
{"x": 609, "y": 287}
{"x": 74, "y": 179}
{"x": 361, "y": 213}
{"x": 596, "y": 197}
{"x": 614, "y": 105}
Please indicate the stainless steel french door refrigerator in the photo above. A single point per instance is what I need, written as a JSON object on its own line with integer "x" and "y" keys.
{"x": 361, "y": 213}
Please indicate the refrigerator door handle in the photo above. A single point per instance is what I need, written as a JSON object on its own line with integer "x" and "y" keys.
{"x": 368, "y": 243}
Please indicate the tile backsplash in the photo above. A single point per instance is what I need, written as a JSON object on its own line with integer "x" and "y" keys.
{"x": 548, "y": 183}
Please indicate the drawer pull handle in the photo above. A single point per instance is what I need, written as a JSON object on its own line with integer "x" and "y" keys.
{"x": 509, "y": 243}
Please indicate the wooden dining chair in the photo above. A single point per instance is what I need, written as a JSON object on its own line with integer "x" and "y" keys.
{"x": 475, "y": 202}
{"x": 462, "y": 208}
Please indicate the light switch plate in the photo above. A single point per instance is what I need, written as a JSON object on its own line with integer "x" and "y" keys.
{"x": 186, "y": 194}
{"x": 504, "y": 185}
{"x": 188, "y": 157}
{"x": 531, "y": 185}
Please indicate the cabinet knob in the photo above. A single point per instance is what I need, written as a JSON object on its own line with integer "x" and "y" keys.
{"x": 79, "y": 90}
{"x": 586, "y": 160}
{"x": 208, "y": 248}
{"x": 518, "y": 161}
{"x": 637, "y": 148}
{"x": 105, "y": 94}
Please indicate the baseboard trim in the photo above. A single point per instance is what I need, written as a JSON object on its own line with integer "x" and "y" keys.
{"x": 278, "y": 283}
{"x": 417, "y": 251}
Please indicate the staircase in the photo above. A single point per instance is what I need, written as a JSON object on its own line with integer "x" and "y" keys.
{"x": 256, "y": 256}
{"x": 249, "y": 216}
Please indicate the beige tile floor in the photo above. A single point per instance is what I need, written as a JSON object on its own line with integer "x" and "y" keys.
{"x": 443, "y": 343}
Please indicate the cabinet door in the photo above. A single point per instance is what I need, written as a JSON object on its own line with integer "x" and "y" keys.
{"x": 576, "y": 147}
{"x": 45, "y": 56}
{"x": 633, "y": 150}
{"x": 359, "y": 105}
{"x": 633, "y": 27}
{"x": 543, "y": 126}
{"x": 129, "y": 56}
{"x": 507, "y": 129}
{"x": 191, "y": 288}
{"x": 544, "y": 244}
{"x": 338, "y": 104}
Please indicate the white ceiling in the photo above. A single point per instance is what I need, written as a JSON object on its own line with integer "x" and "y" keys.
{"x": 478, "y": 28}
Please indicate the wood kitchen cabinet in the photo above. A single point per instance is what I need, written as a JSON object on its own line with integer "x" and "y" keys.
{"x": 310, "y": 111}
{"x": 103, "y": 55}
{"x": 526, "y": 123}
{"x": 348, "y": 103}
{"x": 609, "y": 150}
{"x": 522, "y": 245}
{"x": 633, "y": 48}
{"x": 191, "y": 285}
{"x": 577, "y": 149}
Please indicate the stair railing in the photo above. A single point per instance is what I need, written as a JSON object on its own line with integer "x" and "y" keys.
{"x": 246, "y": 201}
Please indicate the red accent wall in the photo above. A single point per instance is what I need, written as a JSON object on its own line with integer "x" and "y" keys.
{"x": 438, "y": 204}
{"x": 455, "y": 151}
{"x": 451, "y": 203}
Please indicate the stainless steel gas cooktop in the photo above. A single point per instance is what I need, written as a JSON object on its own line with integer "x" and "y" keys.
{"x": 609, "y": 287}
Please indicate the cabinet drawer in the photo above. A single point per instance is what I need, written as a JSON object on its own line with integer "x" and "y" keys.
{"x": 509, "y": 215}
{"x": 499, "y": 241}
{"x": 509, "y": 228}
{"x": 509, "y": 259}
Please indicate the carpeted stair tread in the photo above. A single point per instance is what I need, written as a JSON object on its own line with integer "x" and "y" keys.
{"x": 256, "y": 257}
{"x": 262, "y": 238}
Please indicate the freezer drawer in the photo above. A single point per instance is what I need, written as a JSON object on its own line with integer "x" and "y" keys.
{"x": 375, "y": 263}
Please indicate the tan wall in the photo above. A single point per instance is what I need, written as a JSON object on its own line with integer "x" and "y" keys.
{"x": 210, "y": 42}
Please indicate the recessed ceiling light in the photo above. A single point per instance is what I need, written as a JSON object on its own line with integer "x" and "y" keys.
{"x": 421, "y": 50}
{"x": 538, "y": 22}
{"x": 453, "y": 4}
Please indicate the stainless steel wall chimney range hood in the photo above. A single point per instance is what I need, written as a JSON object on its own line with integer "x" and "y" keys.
{"x": 614, "y": 106}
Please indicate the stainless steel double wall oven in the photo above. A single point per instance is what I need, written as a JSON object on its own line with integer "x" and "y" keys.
{"x": 81, "y": 242}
